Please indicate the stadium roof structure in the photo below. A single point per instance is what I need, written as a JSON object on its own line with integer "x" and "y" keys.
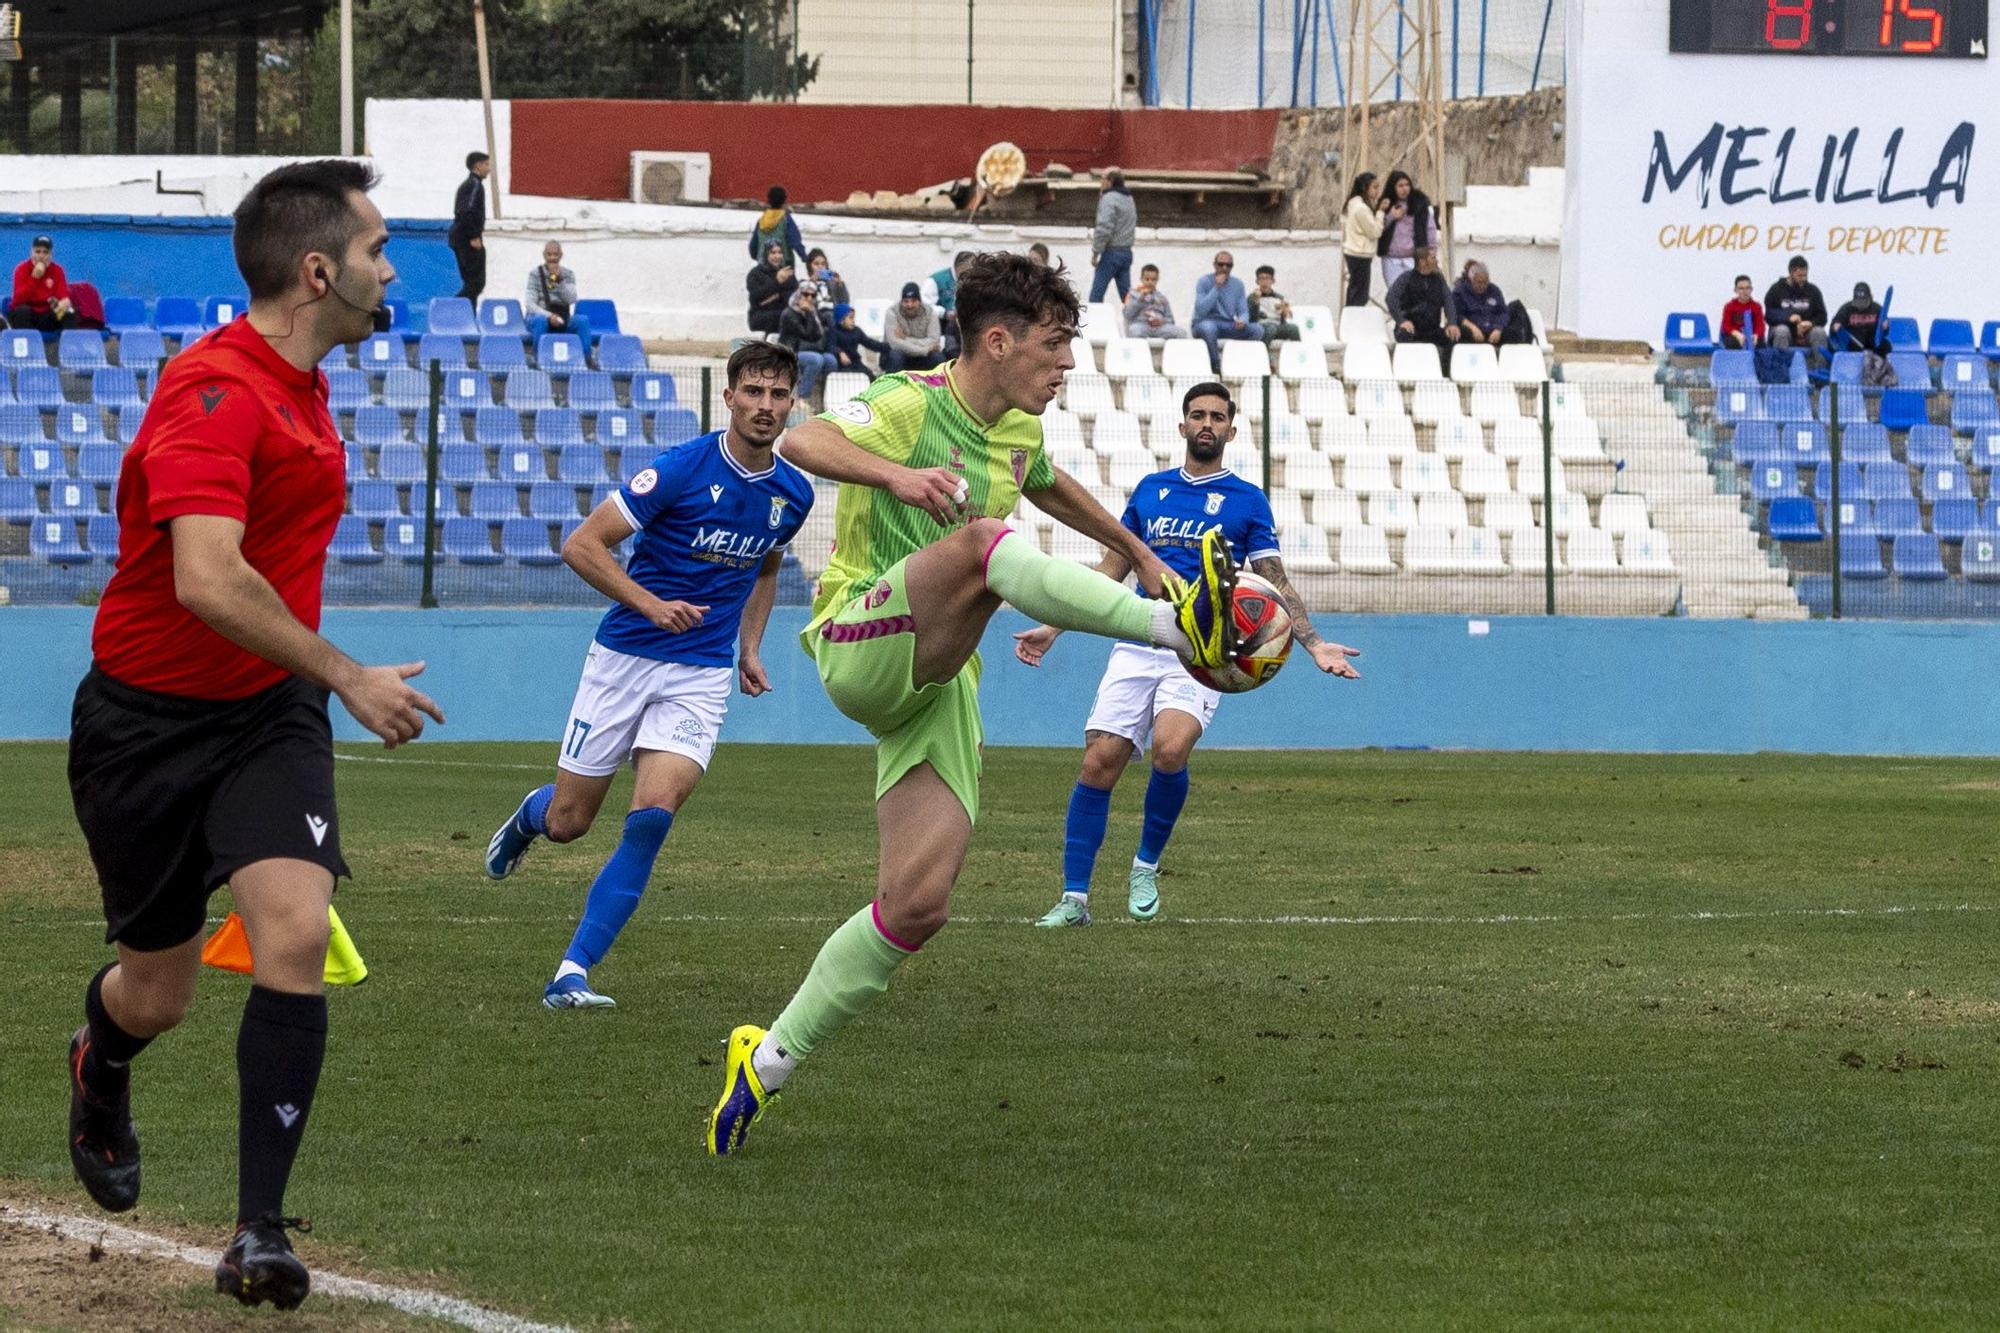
{"x": 44, "y": 19}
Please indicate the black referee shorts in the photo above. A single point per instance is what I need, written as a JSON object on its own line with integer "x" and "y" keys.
{"x": 176, "y": 795}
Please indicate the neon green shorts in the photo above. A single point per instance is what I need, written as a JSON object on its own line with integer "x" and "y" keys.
{"x": 865, "y": 652}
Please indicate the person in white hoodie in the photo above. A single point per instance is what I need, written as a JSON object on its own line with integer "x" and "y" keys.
{"x": 1360, "y": 230}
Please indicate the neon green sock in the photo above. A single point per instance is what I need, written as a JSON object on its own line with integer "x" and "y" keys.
{"x": 853, "y": 967}
{"x": 1065, "y": 594}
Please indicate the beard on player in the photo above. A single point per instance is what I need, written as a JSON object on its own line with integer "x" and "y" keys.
{"x": 1205, "y": 446}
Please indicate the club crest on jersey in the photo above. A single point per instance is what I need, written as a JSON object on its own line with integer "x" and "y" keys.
{"x": 1214, "y": 505}
{"x": 857, "y": 412}
{"x": 778, "y": 503}
{"x": 877, "y": 595}
{"x": 645, "y": 481}
{"x": 715, "y": 494}
{"x": 1017, "y": 462}
{"x": 957, "y": 463}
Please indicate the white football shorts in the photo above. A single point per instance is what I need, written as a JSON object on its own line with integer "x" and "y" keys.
{"x": 625, "y": 703}
{"x": 1139, "y": 684}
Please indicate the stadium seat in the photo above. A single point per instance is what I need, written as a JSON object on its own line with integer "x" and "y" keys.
{"x": 1477, "y": 551}
{"x": 1432, "y": 401}
{"x": 1150, "y": 396}
{"x": 1367, "y": 474}
{"x": 502, "y": 315}
{"x": 1474, "y": 363}
{"x": 452, "y": 315}
{"x": 17, "y": 500}
{"x": 555, "y": 501}
{"x": 1794, "y": 519}
{"x": 1861, "y": 558}
{"x": 1804, "y": 443}
{"x": 1392, "y": 435}
{"x": 1732, "y": 365}
{"x": 464, "y": 391}
{"x": 1925, "y": 446}
{"x": 1522, "y": 364}
{"x": 1101, "y": 321}
{"x": 1754, "y": 444}
{"x": 39, "y": 387}
{"x": 179, "y": 318}
{"x": 20, "y": 424}
{"x": 527, "y": 389}
{"x": 122, "y": 314}
{"x": 526, "y": 541}
{"x": 621, "y": 354}
{"x": 1365, "y": 550}
{"x": 374, "y": 498}
{"x": 1185, "y": 356}
{"x": 652, "y": 389}
{"x": 100, "y": 534}
{"x": 1484, "y": 475}
{"x": 558, "y": 426}
{"x": 1974, "y": 410}
{"x": 375, "y": 425}
{"x": 1125, "y": 358}
{"x": 1442, "y": 509}
{"x": 675, "y": 425}
{"x": 1739, "y": 402}
{"x": 1852, "y": 405}
{"x": 1989, "y": 340}
{"x": 1870, "y": 443}
{"x": 1575, "y": 440}
{"x": 560, "y": 354}
{"x": 522, "y": 464}
{"x": 1903, "y": 332}
{"x": 1879, "y": 481}
{"x": 219, "y": 310}
{"x": 141, "y": 350}
{"x": 1953, "y": 519}
{"x": 1898, "y": 517}
{"x": 54, "y": 540}
{"x": 80, "y": 350}
{"x": 497, "y": 353}
{"x": 1646, "y": 552}
{"x": 1845, "y": 368}
{"x": 1951, "y": 337}
{"x": 1773, "y": 481}
{"x": 1459, "y": 438}
{"x": 1788, "y": 402}
{"x": 1621, "y": 513}
{"x": 351, "y": 544}
{"x": 1980, "y": 559}
{"x": 1591, "y": 551}
{"x": 615, "y": 427}
{"x": 1985, "y": 448}
{"x": 399, "y": 319}
{"x": 602, "y": 316}
{"x": 495, "y": 500}
{"x": 1945, "y": 481}
{"x": 70, "y": 498}
{"x": 1319, "y": 400}
{"x": 100, "y": 463}
{"x": 1336, "y": 510}
{"x": 1363, "y": 324}
{"x": 1425, "y": 474}
{"x": 1245, "y": 360}
{"x": 401, "y": 462}
{"x": 1965, "y": 371}
{"x": 1390, "y": 511}
{"x": 445, "y": 349}
{"x": 380, "y": 353}
{"x": 346, "y": 389}
{"x": 1687, "y": 333}
{"x": 1913, "y": 369}
{"x": 20, "y": 349}
{"x": 1299, "y": 361}
{"x": 126, "y": 422}
{"x": 404, "y": 538}
{"x": 1916, "y": 556}
{"x": 460, "y": 463}
{"x": 496, "y": 427}
{"x": 1856, "y": 519}
{"x": 79, "y": 424}
{"x": 1250, "y": 397}
{"x": 1427, "y": 550}
{"x": 1904, "y": 408}
{"x": 1087, "y": 393}
{"x": 1316, "y": 328}
{"x": 1083, "y": 354}
{"x": 1507, "y": 514}
{"x": 115, "y": 387}
{"x": 590, "y": 391}
{"x": 1414, "y": 363}
{"x": 469, "y": 541}
{"x": 404, "y": 389}
{"x": 1378, "y": 398}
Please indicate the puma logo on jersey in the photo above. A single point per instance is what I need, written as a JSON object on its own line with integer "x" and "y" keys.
{"x": 211, "y": 398}
{"x": 317, "y": 827}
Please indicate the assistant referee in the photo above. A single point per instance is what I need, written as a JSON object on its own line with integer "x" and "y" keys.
{"x": 200, "y": 749}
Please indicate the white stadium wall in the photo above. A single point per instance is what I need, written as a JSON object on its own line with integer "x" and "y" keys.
{"x": 1024, "y": 52}
{"x": 1684, "y": 170}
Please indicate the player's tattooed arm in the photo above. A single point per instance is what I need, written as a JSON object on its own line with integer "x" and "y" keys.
{"x": 1329, "y": 657}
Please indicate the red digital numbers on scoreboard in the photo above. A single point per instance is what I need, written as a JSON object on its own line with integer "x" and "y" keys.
{"x": 1923, "y": 24}
{"x": 1788, "y": 24}
{"x": 1949, "y": 28}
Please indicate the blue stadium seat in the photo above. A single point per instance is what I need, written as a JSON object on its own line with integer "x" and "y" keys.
{"x": 1861, "y": 558}
{"x": 351, "y": 544}
{"x": 452, "y": 315}
{"x": 1951, "y": 337}
{"x": 6, "y": 388}
{"x": 1687, "y": 332}
{"x": 142, "y": 350}
{"x": 1850, "y": 402}
{"x": 1756, "y": 442}
{"x": 581, "y": 464}
{"x": 1794, "y": 519}
{"x": 675, "y": 425}
{"x": 21, "y": 348}
{"x": 1915, "y": 556}
{"x": 1944, "y": 481}
{"x": 1927, "y": 446}
{"x": 1804, "y": 442}
{"x": 450, "y": 426}
{"x": 1739, "y": 402}
{"x": 1882, "y": 481}
{"x": 54, "y": 540}
{"x": 1903, "y": 408}
{"x": 336, "y": 358}
{"x": 1850, "y": 482}
{"x": 591, "y": 391}
{"x": 70, "y": 498}
{"x": 1979, "y": 561}
{"x": 526, "y": 540}
{"x": 1898, "y": 518}
{"x": 447, "y": 349}
{"x": 522, "y": 464}
{"x": 399, "y": 319}
{"x": 459, "y": 463}
{"x": 495, "y": 500}
{"x": 553, "y": 500}
{"x": 357, "y": 461}
{"x": 1846, "y": 368}
{"x": 498, "y": 353}
{"x": 100, "y": 533}
{"x": 122, "y": 314}
{"x": 633, "y": 461}
{"x": 618, "y": 426}
{"x": 603, "y": 316}
{"x": 560, "y": 354}
{"x": 41, "y": 460}
{"x": 100, "y": 462}
{"x": 406, "y": 390}
{"x": 1985, "y": 448}
{"x": 178, "y": 317}
{"x": 39, "y": 386}
{"x": 558, "y": 426}
{"x": 1867, "y": 444}
{"x": 497, "y": 426}
{"x": 469, "y": 541}
{"x": 465, "y": 391}
{"x": 380, "y": 353}
{"x": 80, "y": 424}
{"x": 348, "y": 389}
{"x": 400, "y": 462}
{"x": 1913, "y": 369}
{"x": 652, "y": 389}
{"x": 1732, "y": 365}
{"x": 375, "y": 425}
{"x": 1953, "y": 519}
{"x": 17, "y": 500}
{"x": 1962, "y": 372}
{"x": 1974, "y": 410}
{"x": 1774, "y": 481}
{"x": 219, "y": 310}
{"x": 620, "y": 353}
{"x": 20, "y": 424}
{"x": 373, "y": 498}
{"x": 81, "y": 349}
{"x": 527, "y": 389}
{"x": 126, "y": 422}
{"x": 1788, "y": 402}
{"x": 115, "y": 386}
{"x": 502, "y": 315}
{"x": 404, "y": 539}
{"x": 1903, "y": 332}
{"x": 1989, "y": 339}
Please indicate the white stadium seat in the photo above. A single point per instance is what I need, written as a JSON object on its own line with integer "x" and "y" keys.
{"x": 1517, "y": 438}
{"x": 1301, "y": 361}
{"x": 1366, "y": 361}
{"x": 1336, "y": 511}
{"x": 1288, "y": 508}
{"x": 1427, "y": 550}
{"x": 1446, "y": 510}
{"x": 1290, "y": 436}
{"x": 1087, "y": 393}
{"x": 1128, "y": 467}
{"x": 1365, "y": 550}
{"x": 1149, "y": 396}
{"x": 1084, "y": 354}
{"x": 1245, "y": 360}
{"x": 844, "y": 386}
{"x": 1425, "y": 474}
{"x": 1477, "y": 551}
{"x": 1305, "y": 549}
{"x": 1250, "y": 398}
{"x": 1434, "y": 401}
{"x": 1163, "y": 437}
{"x": 1474, "y": 362}
{"x": 1103, "y": 321}
{"x": 1316, "y": 326}
{"x": 1484, "y": 474}
{"x": 1321, "y": 399}
{"x": 1395, "y": 435}
{"x": 1576, "y": 439}
{"x": 1522, "y": 364}
{"x": 1060, "y": 427}
{"x": 1647, "y": 552}
{"x": 1508, "y": 513}
{"x": 1341, "y": 436}
{"x": 1571, "y": 515}
{"x": 1416, "y": 362}
{"x": 1459, "y": 438}
{"x": 1590, "y": 551}
{"x": 1367, "y": 473}
{"x": 1185, "y": 357}
{"x": 1529, "y": 550}
{"x": 1494, "y": 401}
{"x": 870, "y": 313}
{"x": 1621, "y": 514}
{"x": 1125, "y": 358}
{"x": 1309, "y": 472}
{"x": 1566, "y": 400}
{"x": 1377, "y": 398}
{"x": 1117, "y": 430}
{"x": 1362, "y": 324}
{"x": 1391, "y": 512}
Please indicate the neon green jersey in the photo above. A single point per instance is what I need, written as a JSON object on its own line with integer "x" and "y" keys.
{"x": 916, "y": 418}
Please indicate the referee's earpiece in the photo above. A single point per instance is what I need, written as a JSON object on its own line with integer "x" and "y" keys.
{"x": 319, "y": 271}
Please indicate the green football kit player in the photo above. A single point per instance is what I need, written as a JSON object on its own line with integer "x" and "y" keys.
{"x": 929, "y": 464}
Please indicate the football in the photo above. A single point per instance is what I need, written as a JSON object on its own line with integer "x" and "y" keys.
{"x": 1265, "y": 628}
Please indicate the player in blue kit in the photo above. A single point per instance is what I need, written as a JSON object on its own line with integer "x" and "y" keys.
{"x": 1146, "y": 691}
{"x": 713, "y": 516}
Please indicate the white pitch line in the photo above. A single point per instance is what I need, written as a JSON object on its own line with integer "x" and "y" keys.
{"x": 410, "y": 1300}
{"x": 434, "y": 763}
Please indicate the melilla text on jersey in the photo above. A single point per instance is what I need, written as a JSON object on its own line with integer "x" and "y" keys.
{"x": 726, "y": 546}
{"x": 1165, "y": 531}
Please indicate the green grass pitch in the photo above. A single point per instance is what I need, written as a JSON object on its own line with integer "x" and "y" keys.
{"x": 1421, "y": 1040}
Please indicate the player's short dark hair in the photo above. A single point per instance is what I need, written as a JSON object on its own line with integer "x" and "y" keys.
{"x": 293, "y": 210}
{"x": 473, "y": 159}
{"x": 1208, "y": 389}
{"x": 761, "y": 358}
{"x": 1016, "y": 291}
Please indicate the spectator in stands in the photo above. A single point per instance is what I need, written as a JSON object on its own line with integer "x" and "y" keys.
{"x": 832, "y": 287}
{"x": 1148, "y": 313}
{"x": 1480, "y": 305}
{"x": 1742, "y": 319}
{"x": 775, "y": 226}
{"x": 1111, "y": 239}
{"x": 1858, "y": 324}
{"x": 1420, "y": 305}
{"x": 944, "y": 282}
{"x": 467, "y": 236}
{"x": 847, "y": 340}
{"x": 551, "y": 298}
{"x": 1222, "y": 309}
{"x": 41, "y": 292}
{"x": 771, "y": 285}
{"x": 800, "y": 329}
{"x": 1795, "y": 310}
{"x": 1408, "y": 222}
{"x": 1360, "y": 230}
{"x": 914, "y": 333}
{"x": 1039, "y": 253}
{"x": 1273, "y": 312}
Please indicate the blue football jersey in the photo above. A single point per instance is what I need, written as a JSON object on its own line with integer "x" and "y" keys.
{"x": 1169, "y": 511}
{"x": 704, "y": 527}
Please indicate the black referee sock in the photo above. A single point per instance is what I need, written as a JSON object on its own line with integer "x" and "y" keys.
{"x": 279, "y": 1049}
{"x": 111, "y": 1048}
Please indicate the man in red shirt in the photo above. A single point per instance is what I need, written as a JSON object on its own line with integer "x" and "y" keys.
{"x": 200, "y": 749}
{"x": 41, "y": 292}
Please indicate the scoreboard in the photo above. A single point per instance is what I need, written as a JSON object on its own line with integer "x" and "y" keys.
{"x": 1934, "y": 29}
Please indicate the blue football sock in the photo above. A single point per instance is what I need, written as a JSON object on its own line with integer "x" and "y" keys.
{"x": 532, "y": 819}
{"x": 1089, "y": 812}
{"x": 1166, "y": 793}
{"x": 615, "y": 894}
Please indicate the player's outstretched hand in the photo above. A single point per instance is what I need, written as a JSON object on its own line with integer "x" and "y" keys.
{"x": 379, "y": 700}
{"x": 678, "y": 617}
{"x": 1031, "y": 645}
{"x": 1332, "y": 659}
{"x": 1157, "y": 579}
{"x": 751, "y": 677}
{"x": 938, "y": 491}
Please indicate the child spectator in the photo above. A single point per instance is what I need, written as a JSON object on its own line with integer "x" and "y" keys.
{"x": 1742, "y": 319}
{"x": 847, "y": 340}
{"x": 1271, "y": 310}
{"x": 1148, "y": 313}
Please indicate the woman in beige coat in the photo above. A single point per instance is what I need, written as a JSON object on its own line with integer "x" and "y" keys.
{"x": 1360, "y": 229}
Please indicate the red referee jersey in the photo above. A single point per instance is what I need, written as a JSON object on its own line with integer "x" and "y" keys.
{"x": 233, "y": 430}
